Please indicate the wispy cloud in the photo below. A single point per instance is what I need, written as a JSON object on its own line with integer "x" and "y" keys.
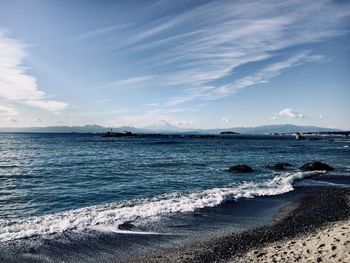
{"x": 131, "y": 82}
{"x": 207, "y": 42}
{"x": 98, "y": 32}
{"x": 99, "y": 101}
{"x": 5, "y": 110}
{"x": 189, "y": 95}
{"x": 49, "y": 105}
{"x": 15, "y": 83}
{"x": 172, "y": 110}
{"x": 262, "y": 76}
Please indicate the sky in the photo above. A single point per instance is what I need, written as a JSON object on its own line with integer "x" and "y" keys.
{"x": 194, "y": 64}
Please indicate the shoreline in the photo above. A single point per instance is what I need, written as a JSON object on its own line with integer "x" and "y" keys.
{"x": 317, "y": 209}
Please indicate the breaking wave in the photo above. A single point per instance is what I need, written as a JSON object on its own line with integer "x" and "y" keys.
{"x": 114, "y": 214}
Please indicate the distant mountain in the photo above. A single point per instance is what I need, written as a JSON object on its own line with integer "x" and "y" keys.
{"x": 162, "y": 126}
{"x": 165, "y": 127}
{"x": 71, "y": 129}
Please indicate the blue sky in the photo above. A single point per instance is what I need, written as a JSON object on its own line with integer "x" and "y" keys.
{"x": 195, "y": 64}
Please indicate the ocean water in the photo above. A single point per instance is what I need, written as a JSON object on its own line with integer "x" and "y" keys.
{"x": 54, "y": 183}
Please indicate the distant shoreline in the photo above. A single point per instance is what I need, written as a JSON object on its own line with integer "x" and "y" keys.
{"x": 171, "y": 129}
{"x": 308, "y": 136}
{"x": 221, "y": 135}
{"x": 316, "y": 209}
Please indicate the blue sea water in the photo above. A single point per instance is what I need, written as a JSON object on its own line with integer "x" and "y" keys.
{"x": 51, "y": 183}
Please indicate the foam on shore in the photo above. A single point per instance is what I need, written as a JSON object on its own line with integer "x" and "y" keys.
{"x": 109, "y": 216}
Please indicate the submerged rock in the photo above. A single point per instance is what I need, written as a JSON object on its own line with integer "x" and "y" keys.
{"x": 316, "y": 166}
{"x": 278, "y": 166}
{"x": 242, "y": 168}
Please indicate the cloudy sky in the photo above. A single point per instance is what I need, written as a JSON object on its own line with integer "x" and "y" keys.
{"x": 200, "y": 64}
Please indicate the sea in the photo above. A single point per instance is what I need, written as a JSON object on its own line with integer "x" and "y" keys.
{"x": 87, "y": 198}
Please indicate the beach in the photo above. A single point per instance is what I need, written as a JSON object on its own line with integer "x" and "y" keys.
{"x": 328, "y": 244}
{"x": 315, "y": 228}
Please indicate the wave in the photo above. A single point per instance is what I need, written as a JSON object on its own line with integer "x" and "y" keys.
{"x": 9, "y": 166}
{"x": 111, "y": 215}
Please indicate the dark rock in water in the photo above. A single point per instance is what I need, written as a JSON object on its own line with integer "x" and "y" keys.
{"x": 316, "y": 166}
{"x": 119, "y": 134}
{"x": 126, "y": 226}
{"x": 242, "y": 168}
{"x": 278, "y": 166}
{"x": 299, "y": 136}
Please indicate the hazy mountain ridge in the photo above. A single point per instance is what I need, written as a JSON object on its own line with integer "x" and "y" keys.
{"x": 168, "y": 128}
{"x": 162, "y": 126}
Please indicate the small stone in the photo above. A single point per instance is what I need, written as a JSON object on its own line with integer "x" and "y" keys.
{"x": 260, "y": 254}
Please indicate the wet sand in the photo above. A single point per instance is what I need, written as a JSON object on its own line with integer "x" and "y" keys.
{"x": 318, "y": 213}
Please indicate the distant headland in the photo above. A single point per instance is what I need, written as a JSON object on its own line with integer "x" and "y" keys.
{"x": 265, "y": 129}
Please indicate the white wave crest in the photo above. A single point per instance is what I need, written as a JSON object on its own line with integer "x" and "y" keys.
{"x": 114, "y": 214}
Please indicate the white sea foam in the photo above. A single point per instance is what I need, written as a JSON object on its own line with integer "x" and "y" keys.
{"x": 114, "y": 214}
{"x": 116, "y": 230}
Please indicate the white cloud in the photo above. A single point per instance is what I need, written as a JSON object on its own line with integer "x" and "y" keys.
{"x": 4, "y": 110}
{"x": 290, "y": 113}
{"x": 226, "y": 120}
{"x": 181, "y": 123}
{"x": 12, "y": 119}
{"x": 15, "y": 83}
{"x": 273, "y": 118}
{"x": 321, "y": 116}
